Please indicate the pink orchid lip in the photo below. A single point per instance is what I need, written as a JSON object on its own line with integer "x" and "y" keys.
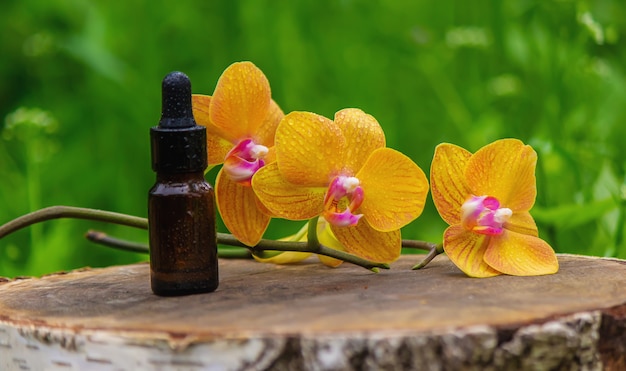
{"x": 483, "y": 215}
{"x": 244, "y": 160}
{"x": 344, "y": 219}
{"x": 343, "y": 187}
{"x": 241, "y": 170}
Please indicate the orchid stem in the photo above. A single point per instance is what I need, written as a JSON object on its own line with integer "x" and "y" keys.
{"x": 312, "y": 240}
{"x": 421, "y": 245}
{"x": 58, "y": 212}
{"x": 433, "y": 250}
{"x": 102, "y": 238}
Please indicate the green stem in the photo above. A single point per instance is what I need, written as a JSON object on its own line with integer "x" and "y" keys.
{"x": 102, "y": 238}
{"x": 311, "y": 239}
{"x": 434, "y": 250}
{"x": 347, "y": 257}
{"x": 234, "y": 253}
{"x": 57, "y": 212}
{"x": 264, "y": 245}
{"x": 421, "y": 245}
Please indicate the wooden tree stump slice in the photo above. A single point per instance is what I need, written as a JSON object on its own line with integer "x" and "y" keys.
{"x": 308, "y": 316}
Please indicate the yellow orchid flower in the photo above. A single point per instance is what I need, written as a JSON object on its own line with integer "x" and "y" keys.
{"x": 241, "y": 120}
{"x": 342, "y": 171}
{"x": 324, "y": 235}
{"x": 485, "y": 198}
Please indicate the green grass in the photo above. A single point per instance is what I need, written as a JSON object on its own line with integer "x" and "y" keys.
{"x": 547, "y": 72}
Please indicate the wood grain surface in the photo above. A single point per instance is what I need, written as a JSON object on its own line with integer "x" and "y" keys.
{"x": 337, "y": 312}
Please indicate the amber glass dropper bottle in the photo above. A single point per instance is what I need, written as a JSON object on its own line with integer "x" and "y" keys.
{"x": 181, "y": 204}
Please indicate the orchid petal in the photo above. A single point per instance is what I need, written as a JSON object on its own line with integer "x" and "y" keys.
{"x": 309, "y": 149}
{"x": 329, "y": 261}
{"x": 271, "y": 155}
{"x": 286, "y": 257}
{"x": 521, "y": 255}
{"x": 237, "y": 206}
{"x": 466, "y": 250}
{"x": 364, "y": 241}
{"x": 284, "y": 199}
{"x": 219, "y": 142}
{"x": 363, "y": 135}
{"x": 395, "y": 190}
{"x": 447, "y": 181}
{"x": 266, "y": 132}
{"x": 522, "y": 222}
{"x": 504, "y": 169}
{"x": 241, "y": 100}
{"x": 217, "y": 148}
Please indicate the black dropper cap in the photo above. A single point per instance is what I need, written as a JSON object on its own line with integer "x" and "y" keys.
{"x": 178, "y": 144}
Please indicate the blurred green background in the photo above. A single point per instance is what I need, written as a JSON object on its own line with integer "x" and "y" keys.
{"x": 80, "y": 87}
